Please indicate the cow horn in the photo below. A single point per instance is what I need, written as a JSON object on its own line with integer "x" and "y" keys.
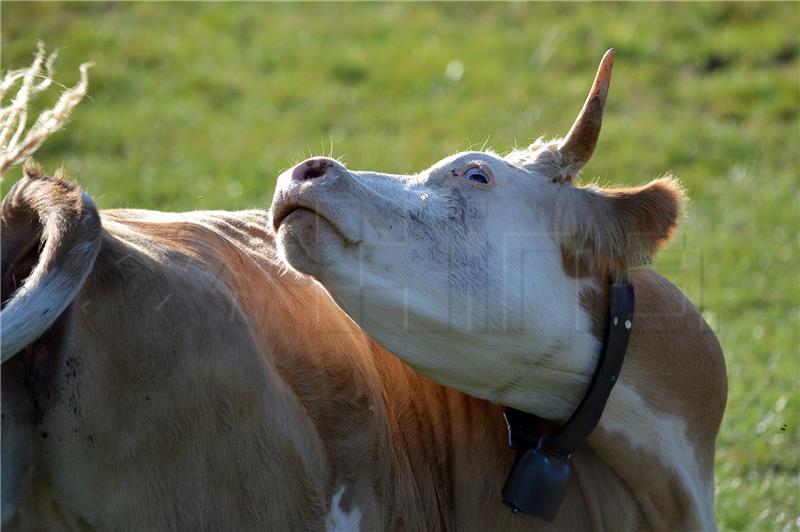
{"x": 578, "y": 146}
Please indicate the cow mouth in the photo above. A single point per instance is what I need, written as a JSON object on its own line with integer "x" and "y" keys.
{"x": 282, "y": 213}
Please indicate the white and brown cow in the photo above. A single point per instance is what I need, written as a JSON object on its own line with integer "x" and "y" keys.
{"x": 490, "y": 275}
{"x": 179, "y": 377}
{"x": 167, "y": 371}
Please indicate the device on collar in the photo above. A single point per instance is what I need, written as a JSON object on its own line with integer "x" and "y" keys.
{"x": 537, "y": 482}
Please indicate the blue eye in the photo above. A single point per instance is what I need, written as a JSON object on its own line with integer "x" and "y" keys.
{"x": 477, "y": 175}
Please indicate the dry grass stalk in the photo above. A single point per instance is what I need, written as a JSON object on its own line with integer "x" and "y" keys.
{"x": 15, "y": 144}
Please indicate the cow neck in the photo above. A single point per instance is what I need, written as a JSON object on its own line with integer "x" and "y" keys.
{"x": 537, "y": 482}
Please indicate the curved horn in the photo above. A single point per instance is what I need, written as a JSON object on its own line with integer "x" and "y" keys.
{"x": 578, "y": 146}
{"x": 66, "y": 222}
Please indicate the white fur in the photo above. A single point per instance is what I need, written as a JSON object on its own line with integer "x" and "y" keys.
{"x": 339, "y": 520}
{"x": 664, "y": 435}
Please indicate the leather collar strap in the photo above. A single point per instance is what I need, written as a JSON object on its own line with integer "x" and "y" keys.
{"x": 538, "y": 479}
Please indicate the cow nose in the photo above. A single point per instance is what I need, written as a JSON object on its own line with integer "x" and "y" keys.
{"x": 312, "y": 168}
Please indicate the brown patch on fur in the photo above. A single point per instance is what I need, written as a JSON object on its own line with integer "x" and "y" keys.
{"x": 608, "y": 232}
{"x": 595, "y": 303}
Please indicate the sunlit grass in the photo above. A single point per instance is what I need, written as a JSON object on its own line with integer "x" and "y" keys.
{"x": 201, "y": 106}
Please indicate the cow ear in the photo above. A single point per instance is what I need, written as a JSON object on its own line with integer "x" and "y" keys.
{"x": 611, "y": 231}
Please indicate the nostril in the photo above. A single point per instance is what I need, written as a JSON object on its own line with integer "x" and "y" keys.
{"x": 311, "y": 169}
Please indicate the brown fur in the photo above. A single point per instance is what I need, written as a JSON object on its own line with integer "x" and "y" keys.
{"x": 205, "y": 387}
{"x": 40, "y": 208}
{"x": 608, "y": 232}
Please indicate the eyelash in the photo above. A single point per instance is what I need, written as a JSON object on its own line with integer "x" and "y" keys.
{"x": 477, "y": 175}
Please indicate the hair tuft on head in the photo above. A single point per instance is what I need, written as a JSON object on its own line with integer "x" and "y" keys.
{"x": 32, "y": 169}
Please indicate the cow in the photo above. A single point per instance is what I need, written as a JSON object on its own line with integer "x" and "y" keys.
{"x": 167, "y": 371}
{"x": 492, "y": 275}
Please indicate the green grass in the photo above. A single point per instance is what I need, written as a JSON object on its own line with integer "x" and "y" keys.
{"x": 201, "y": 106}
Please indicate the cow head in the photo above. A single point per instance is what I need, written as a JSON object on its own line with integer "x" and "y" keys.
{"x": 473, "y": 271}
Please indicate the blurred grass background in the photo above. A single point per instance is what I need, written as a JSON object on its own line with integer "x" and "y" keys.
{"x": 201, "y": 106}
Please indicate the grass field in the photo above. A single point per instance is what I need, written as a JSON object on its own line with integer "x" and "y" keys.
{"x": 201, "y": 106}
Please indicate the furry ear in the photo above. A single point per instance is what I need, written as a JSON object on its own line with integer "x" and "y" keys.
{"x": 609, "y": 231}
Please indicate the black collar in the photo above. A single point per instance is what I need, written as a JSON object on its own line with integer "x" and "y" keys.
{"x": 538, "y": 479}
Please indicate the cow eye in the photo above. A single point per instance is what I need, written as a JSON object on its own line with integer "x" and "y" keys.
{"x": 477, "y": 175}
